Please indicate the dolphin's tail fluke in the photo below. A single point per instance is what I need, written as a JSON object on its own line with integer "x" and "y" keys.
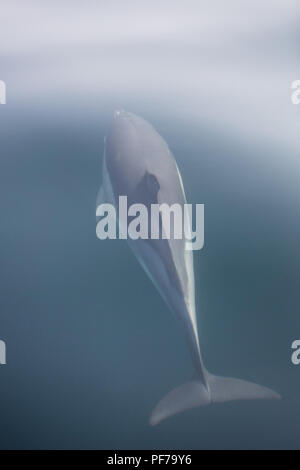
{"x": 218, "y": 390}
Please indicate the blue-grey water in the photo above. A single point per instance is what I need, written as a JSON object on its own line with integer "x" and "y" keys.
{"x": 91, "y": 346}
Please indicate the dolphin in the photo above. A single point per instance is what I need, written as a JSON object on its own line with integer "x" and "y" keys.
{"x": 138, "y": 163}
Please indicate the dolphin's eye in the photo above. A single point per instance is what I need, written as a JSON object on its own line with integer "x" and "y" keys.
{"x": 152, "y": 183}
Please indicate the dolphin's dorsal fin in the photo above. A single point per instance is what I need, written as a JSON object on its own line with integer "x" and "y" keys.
{"x": 146, "y": 191}
{"x": 152, "y": 184}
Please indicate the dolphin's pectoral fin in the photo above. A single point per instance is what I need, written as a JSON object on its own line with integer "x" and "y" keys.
{"x": 218, "y": 390}
{"x": 101, "y": 198}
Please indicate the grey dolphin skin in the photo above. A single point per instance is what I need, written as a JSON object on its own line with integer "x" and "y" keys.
{"x": 138, "y": 164}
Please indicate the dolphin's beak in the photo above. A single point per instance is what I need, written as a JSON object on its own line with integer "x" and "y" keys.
{"x": 118, "y": 113}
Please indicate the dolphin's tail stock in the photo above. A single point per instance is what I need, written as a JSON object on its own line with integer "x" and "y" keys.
{"x": 218, "y": 390}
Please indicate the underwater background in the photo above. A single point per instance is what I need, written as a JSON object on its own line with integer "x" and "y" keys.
{"x": 91, "y": 346}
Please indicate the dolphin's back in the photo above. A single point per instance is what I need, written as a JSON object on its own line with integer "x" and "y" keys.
{"x": 142, "y": 167}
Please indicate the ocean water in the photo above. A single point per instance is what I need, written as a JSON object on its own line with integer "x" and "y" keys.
{"x": 91, "y": 346}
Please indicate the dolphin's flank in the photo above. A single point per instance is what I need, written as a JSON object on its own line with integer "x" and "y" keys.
{"x": 138, "y": 164}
